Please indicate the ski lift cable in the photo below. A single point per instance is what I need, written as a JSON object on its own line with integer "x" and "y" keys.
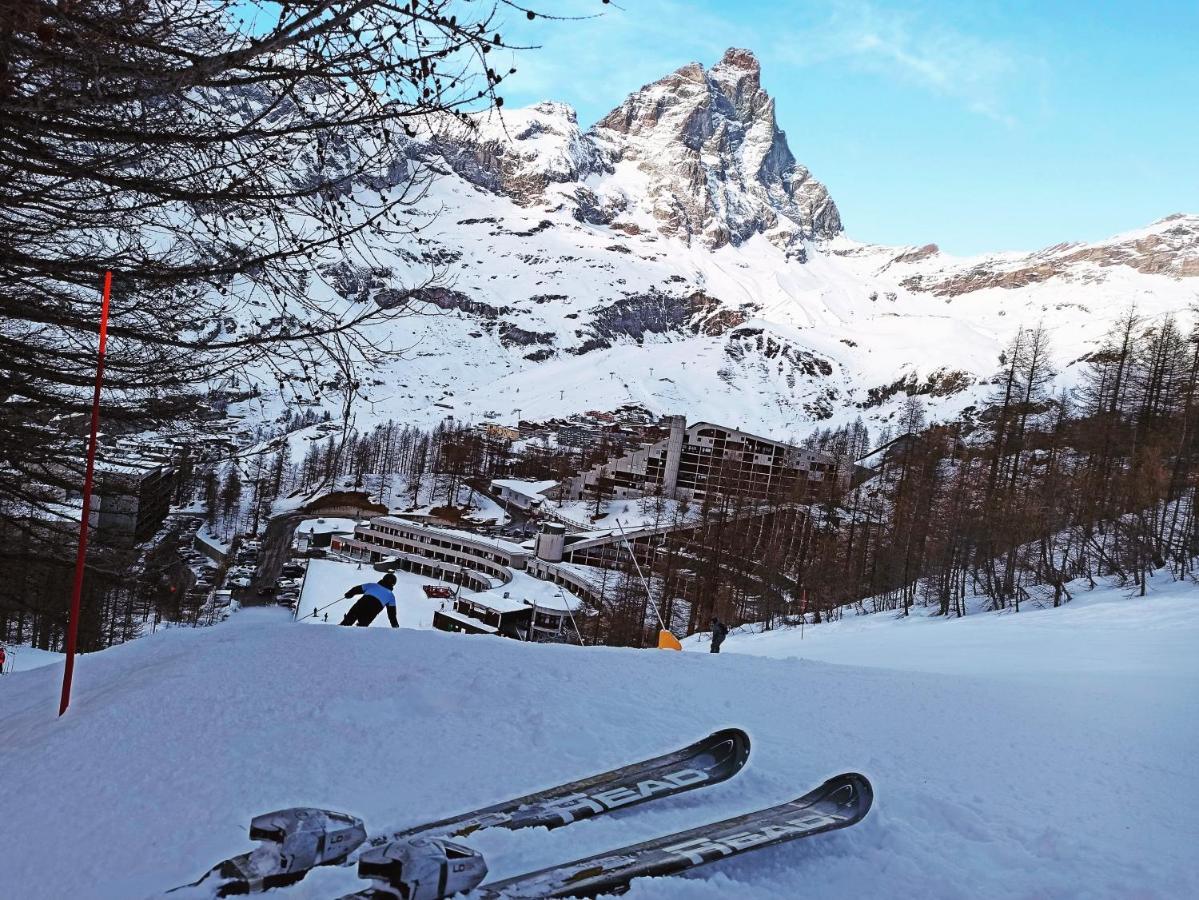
{"x": 316, "y": 610}
{"x": 644, "y": 583}
{"x": 573, "y": 623}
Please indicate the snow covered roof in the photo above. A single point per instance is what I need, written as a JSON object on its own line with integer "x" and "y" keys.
{"x": 67, "y": 511}
{"x": 523, "y": 591}
{"x": 496, "y": 600}
{"x": 326, "y": 525}
{"x": 630, "y": 513}
{"x": 466, "y": 536}
{"x": 528, "y": 488}
{"x": 592, "y": 575}
{"x": 600, "y": 537}
{"x": 475, "y": 624}
{"x": 129, "y": 465}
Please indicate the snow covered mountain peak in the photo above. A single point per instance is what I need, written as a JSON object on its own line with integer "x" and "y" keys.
{"x": 710, "y": 162}
{"x": 696, "y": 155}
{"x": 739, "y": 76}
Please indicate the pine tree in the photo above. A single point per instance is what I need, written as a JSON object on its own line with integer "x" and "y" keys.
{"x": 231, "y": 500}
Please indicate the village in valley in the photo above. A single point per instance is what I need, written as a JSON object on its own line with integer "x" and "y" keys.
{"x": 588, "y": 557}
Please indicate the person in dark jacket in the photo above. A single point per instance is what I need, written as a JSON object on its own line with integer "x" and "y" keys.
{"x": 375, "y": 596}
{"x": 719, "y": 632}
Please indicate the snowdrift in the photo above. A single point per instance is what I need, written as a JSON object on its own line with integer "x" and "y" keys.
{"x": 1045, "y": 785}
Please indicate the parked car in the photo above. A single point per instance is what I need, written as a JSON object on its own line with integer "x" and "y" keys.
{"x": 241, "y": 581}
{"x": 292, "y": 570}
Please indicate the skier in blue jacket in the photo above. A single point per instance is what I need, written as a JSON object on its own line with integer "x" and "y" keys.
{"x": 375, "y": 596}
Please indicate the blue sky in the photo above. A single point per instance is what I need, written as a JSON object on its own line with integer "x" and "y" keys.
{"x": 980, "y": 125}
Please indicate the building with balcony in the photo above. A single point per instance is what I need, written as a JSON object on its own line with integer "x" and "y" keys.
{"x": 132, "y": 496}
{"x": 434, "y": 549}
{"x": 526, "y": 608}
{"x": 702, "y": 459}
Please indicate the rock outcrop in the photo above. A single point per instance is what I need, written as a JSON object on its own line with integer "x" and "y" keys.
{"x": 1168, "y": 247}
{"x": 715, "y": 165}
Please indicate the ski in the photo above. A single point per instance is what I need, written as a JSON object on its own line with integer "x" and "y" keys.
{"x": 295, "y": 841}
{"x": 434, "y": 868}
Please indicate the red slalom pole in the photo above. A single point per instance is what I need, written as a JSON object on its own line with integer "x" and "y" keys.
{"x": 81, "y": 557}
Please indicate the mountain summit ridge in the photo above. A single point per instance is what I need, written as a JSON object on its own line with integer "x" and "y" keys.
{"x": 718, "y": 167}
{"x": 696, "y": 155}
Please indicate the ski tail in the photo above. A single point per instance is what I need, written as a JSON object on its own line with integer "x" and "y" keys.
{"x": 838, "y": 803}
{"x": 294, "y": 841}
{"x": 714, "y": 759}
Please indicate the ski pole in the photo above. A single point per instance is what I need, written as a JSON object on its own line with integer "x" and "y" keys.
{"x": 316, "y": 610}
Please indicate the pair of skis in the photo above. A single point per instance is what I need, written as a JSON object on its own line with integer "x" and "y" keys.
{"x": 426, "y": 863}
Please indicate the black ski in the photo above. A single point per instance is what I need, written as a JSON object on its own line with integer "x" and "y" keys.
{"x": 838, "y": 803}
{"x": 435, "y": 868}
{"x": 294, "y": 841}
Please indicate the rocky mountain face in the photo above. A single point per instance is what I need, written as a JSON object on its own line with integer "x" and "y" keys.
{"x": 716, "y": 167}
{"x": 677, "y": 256}
{"x": 696, "y": 155}
{"x": 521, "y": 155}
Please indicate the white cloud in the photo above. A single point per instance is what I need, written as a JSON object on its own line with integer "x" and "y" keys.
{"x": 921, "y": 48}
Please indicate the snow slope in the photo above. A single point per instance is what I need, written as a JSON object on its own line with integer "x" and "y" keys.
{"x": 328, "y": 580}
{"x": 1077, "y": 783}
{"x": 677, "y": 256}
{"x": 1107, "y": 630}
{"x": 24, "y": 657}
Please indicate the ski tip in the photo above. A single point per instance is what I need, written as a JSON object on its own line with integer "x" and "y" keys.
{"x": 852, "y": 791}
{"x": 731, "y": 745}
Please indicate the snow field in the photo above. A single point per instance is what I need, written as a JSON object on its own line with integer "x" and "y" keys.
{"x": 1071, "y": 783}
{"x": 24, "y": 657}
{"x": 1101, "y": 632}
